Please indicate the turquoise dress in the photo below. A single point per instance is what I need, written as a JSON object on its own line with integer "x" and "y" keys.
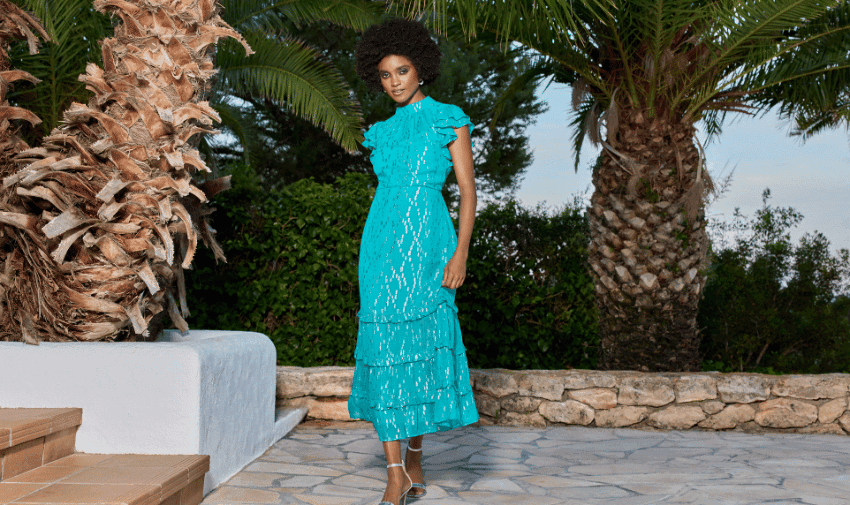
{"x": 411, "y": 375}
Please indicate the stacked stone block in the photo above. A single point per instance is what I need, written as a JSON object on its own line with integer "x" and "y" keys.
{"x": 708, "y": 401}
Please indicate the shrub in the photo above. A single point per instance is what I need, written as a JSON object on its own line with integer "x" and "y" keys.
{"x": 292, "y": 275}
{"x": 292, "y": 267}
{"x": 528, "y": 299}
{"x": 769, "y": 305}
{"x": 772, "y": 306}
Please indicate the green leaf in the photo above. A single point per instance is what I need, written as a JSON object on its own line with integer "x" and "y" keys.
{"x": 286, "y": 71}
{"x": 76, "y": 29}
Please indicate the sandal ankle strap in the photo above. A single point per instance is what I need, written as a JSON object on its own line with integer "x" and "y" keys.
{"x": 414, "y": 449}
{"x": 394, "y": 465}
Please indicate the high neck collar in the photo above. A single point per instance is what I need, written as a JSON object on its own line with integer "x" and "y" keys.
{"x": 413, "y": 107}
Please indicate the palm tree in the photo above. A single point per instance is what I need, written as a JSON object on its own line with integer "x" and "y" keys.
{"x": 813, "y": 112}
{"x": 644, "y": 74}
{"x": 75, "y": 28}
{"x": 285, "y": 70}
{"x": 102, "y": 218}
{"x": 15, "y": 24}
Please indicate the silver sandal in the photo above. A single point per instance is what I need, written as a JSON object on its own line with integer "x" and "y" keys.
{"x": 403, "y": 498}
{"x": 416, "y": 485}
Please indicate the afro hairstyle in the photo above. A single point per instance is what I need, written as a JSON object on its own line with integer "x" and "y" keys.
{"x": 400, "y": 37}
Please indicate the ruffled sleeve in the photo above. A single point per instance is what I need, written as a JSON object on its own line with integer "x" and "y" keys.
{"x": 448, "y": 118}
{"x": 370, "y": 135}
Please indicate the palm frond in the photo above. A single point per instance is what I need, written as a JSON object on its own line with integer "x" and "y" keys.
{"x": 713, "y": 121}
{"x": 657, "y": 35}
{"x": 39, "y": 9}
{"x": 507, "y": 17}
{"x": 75, "y": 28}
{"x": 568, "y": 56}
{"x": 287, "y": 71}
{"x": 234, "y": 121}
{"x": 811, "y": 84}
{"x": 809, "y": 123}
{"x": 537, "y": 72}
{"x": 760, "y": 44}
{"x": 274, "y": 14}
{"x": 580, "y": 124}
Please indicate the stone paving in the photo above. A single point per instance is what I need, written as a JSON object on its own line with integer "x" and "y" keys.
{"x": 344, "y": 465}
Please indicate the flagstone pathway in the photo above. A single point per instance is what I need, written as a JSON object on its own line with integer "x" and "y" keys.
{"x": 342, "y": 464}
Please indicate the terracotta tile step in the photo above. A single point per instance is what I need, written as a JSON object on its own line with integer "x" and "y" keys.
{"x": 110, "y": 479}
{"x": 30, "y": 438}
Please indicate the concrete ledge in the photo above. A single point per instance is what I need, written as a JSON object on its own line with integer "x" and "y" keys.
{"x": 286, "y": 420}
{"x": 208, "y": 392}
{"x": 680, "y": 401}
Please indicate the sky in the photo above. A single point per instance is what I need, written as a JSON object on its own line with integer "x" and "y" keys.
{"x": 811, "y": 177}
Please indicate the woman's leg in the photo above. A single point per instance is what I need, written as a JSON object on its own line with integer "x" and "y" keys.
{"x": 413, "y": 463}
{"x": 397, "y": 480}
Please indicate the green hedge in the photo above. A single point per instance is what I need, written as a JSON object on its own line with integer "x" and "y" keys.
{"x": 292, "y": 267}
{"x": 528, "y": 301}
{"x": 292, "y": 274}
{"x": 769, "y": 305}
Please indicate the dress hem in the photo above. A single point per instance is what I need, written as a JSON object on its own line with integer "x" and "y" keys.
{"x": 467, "y": 415}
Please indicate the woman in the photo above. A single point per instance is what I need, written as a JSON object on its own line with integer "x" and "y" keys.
{"x": 411, "y": 375}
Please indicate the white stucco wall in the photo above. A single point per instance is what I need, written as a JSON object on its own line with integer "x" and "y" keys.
{"x": 208, "y": 392}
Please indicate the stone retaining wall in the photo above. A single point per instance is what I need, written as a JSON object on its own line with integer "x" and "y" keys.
{"x": 709, "y": 401}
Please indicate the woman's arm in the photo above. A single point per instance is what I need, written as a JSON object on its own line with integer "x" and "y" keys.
{"x": 461, "y": 150}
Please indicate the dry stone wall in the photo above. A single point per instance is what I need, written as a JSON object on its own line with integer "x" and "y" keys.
{"x": 677, "y": 401}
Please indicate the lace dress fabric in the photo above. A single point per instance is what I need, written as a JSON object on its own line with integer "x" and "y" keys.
{"x": 411, "y": 375}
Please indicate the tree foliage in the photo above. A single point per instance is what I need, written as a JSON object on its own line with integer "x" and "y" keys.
{"x": 283, "y": 70}
{"x": 772, "y": 305}
{"x": 76, "y": 29}
{"x": 528, "y": 302}
{"x": 286, "y": 71}
{"x": 473, "y": 75}
{"x": 528, "y": 299}
{"x": 292, "y": 267}
{"x": 816, "y": 101}
{"x": 683, "y": 59}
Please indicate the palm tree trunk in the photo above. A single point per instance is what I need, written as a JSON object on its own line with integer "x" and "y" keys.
{"x": 648, "y": 246}
{"x": 15, "y": 24}
{"x": 109, "y": 212}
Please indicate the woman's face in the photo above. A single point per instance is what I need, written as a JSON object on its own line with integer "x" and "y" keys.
{"x": 400, "y": 79}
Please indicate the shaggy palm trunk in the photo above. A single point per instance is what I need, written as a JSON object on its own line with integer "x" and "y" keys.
{"x": 108, "y": 212}
{"x": 15, "y": 24}
{"x": 648, "y": 246}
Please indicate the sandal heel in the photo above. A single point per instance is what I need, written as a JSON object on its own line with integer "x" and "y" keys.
{"x": 415, "y": 485}
{"x": 402, "y": 500}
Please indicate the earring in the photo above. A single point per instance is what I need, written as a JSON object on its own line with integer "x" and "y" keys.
{"x": 421, "y": 82}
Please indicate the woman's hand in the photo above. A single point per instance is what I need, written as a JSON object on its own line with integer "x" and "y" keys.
{"x": 455, "y": 273}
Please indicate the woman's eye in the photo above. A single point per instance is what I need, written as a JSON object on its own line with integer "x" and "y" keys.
{"x": 403, "y": 71}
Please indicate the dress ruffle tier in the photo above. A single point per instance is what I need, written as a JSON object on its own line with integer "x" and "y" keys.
{"x": 411, "y": 375}
{"x": 408, "y": 390}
